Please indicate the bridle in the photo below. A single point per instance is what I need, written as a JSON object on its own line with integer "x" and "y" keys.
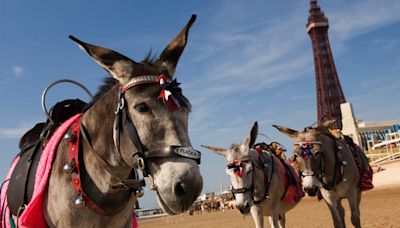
{"x": 171, "y": 95}
{"x": 236, "y": 166}
{"x": 306, "y": 153}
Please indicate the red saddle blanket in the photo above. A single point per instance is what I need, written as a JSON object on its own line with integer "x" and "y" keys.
{"x": 363, "y": 166}
{"x": 291, "y": 181}
{"x": 33, "y": 213}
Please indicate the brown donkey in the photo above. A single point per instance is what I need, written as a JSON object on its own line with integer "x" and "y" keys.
{"x": 327, "y": 166}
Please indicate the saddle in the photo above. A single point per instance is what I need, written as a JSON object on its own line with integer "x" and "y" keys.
{"x": 22, "y": 180}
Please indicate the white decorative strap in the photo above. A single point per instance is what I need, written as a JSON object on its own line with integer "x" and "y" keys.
{"x": 140, "y": 80}
{"x": 307, "y": 142}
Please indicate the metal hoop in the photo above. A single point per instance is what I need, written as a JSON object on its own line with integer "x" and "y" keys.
{"x": 266, "y": 136}
{"x": 55, "y": 83}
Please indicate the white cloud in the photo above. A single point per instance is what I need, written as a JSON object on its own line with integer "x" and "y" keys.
{"x": 250, "y": 54}
{"x": 362, "y": 17}
{"x": 17, "y": 71}
{"x": 12, "y": 133}
{"x": 16, "y": 132}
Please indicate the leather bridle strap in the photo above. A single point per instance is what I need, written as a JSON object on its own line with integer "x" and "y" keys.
{"x": 241, "y": 190}
{"x": 124, "y": 184}
{"x": 173, "y": 151}
{"x": 134, "y": 137}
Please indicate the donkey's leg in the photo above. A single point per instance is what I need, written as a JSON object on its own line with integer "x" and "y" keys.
{"x": 341, "y": 211}
{"x": 258, "y": 216}
{"x": 333, "y": 208}
{"x": 354, "y": 202}
{"x": 274, "y": 217}
{"x": 282, "y": 220}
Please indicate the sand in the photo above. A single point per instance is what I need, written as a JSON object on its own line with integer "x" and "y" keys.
{"x": 380, "y": 208}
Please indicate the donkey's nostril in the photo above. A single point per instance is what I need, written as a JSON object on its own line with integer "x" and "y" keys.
{"x": 180, "y": 189}
{"x": 247, "y": 206}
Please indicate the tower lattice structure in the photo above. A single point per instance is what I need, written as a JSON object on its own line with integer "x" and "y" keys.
{"x": 329, "y": 91}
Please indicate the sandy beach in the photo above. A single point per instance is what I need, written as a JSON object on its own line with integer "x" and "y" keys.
{"x": 380, "y": 208}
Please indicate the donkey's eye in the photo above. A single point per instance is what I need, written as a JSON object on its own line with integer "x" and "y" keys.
{"x": 142, "y": 107}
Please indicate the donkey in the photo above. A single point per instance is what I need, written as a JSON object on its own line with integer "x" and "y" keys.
{"x": 259, "y": 183}
{"x": 327, "y": 166}
{"x": 138, "y": 120}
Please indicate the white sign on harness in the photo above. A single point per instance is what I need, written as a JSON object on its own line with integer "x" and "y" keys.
{"x": 188, "y": 152}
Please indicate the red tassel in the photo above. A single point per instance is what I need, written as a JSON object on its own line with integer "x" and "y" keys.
{"x": 168, "y": 98}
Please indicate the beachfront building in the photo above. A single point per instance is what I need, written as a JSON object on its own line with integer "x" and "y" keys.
{"x": 370, "y": 135}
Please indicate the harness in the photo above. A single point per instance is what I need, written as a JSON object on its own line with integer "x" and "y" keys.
{"x": 77, "y": 136}
{"x": 22, "y": 180}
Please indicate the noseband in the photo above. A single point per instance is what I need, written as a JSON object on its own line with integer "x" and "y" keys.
{"x": 171, "y": 96}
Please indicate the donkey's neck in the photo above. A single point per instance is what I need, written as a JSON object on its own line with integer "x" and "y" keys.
{"x": 329, "y": 159}
{"x": 259, "y": 178}
{"x": 103, "y": 163}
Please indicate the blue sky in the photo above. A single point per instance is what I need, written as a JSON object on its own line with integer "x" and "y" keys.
{"x": 245, "y": 61}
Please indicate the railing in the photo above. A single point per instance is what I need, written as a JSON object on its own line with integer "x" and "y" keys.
{"x": 381, "y": 155}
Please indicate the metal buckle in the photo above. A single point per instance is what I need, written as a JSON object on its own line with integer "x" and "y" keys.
{"x": 140, "y": 163}
{"x": 120, "y": 105}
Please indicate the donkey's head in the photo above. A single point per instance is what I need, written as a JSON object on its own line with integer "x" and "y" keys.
{"x": 144, "y": 124}
{"x": 240, "y": 168}
{"x": 308, "y": 154}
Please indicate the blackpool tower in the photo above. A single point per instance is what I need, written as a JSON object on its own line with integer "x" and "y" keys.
{"x": 329, "y": 92}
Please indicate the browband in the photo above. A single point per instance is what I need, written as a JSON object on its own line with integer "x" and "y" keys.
{"x": 144, "y": 79}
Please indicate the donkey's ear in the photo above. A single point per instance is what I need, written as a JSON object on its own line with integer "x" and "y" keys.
{"x": 287, "y": 131}
{"x": 329, "y": 124}
{"x": 217, "y": 150}
{"x": 171, "y": 54}
{"x": 251, "y": 138}
{"x": 119, "y": 66}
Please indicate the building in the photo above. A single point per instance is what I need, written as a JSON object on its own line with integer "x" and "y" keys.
{"x": 368, "y": 134}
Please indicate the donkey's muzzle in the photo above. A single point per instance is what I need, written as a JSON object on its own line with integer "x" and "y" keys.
{"x": 186, "y": 192}
{"x": 312, "y": 191}
{"x": 244, "y": 208}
